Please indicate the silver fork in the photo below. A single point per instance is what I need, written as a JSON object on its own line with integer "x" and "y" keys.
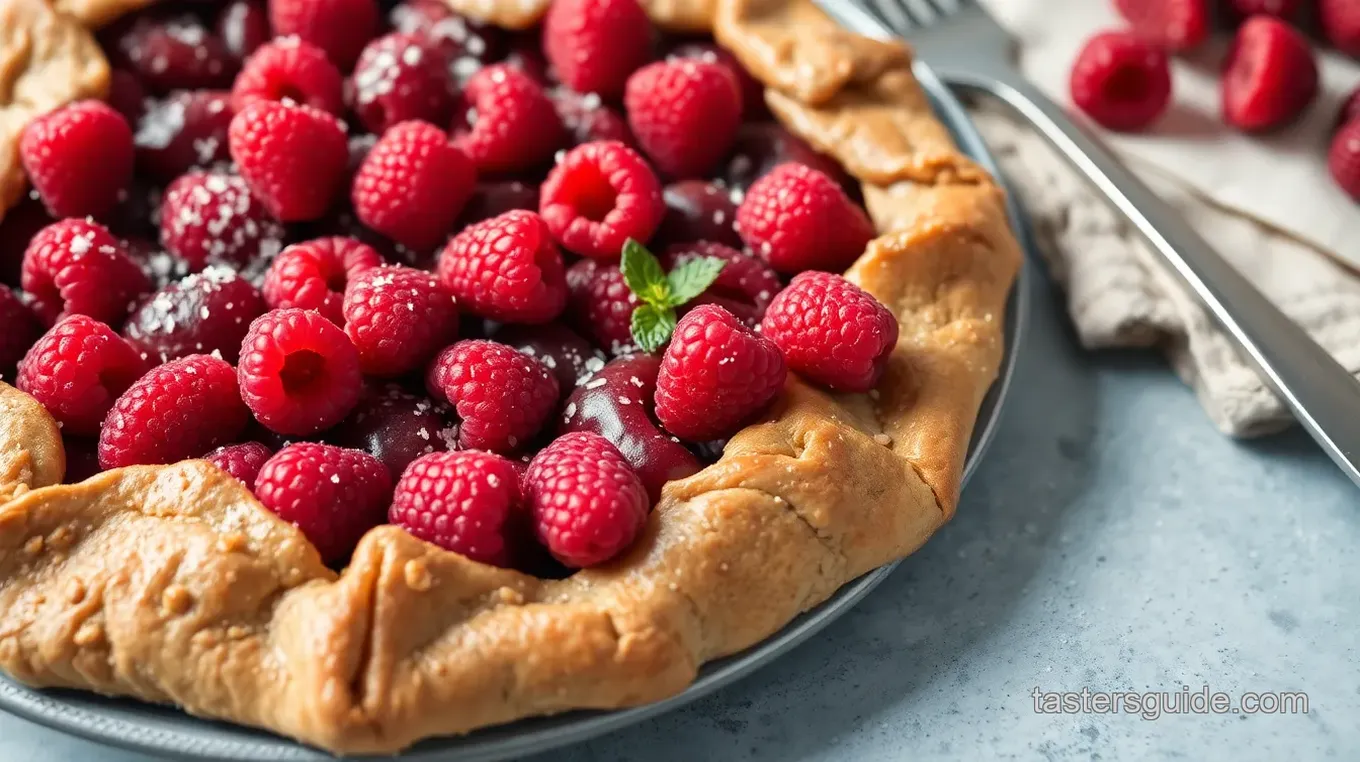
{"x": 970, "y": 51}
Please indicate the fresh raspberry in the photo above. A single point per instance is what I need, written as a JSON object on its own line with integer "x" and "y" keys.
{"x": 396, "y": 427}
{"x": 600, "y": 305}
{"x": 79, "y": 158}
{"x": 413, "y": 184}
{"x": 206, "y": 313}
{"x": 466, "y": 45}
{"x": 715, "y": 376}
{"x": 587, "y": 503}
{"x": 212, "y": 218}
{"x": 697, "y": 210}
{"x": 509, "y": 124}
{"x": 294, "y": 158}
{"x": 299, "y": 372}
{"x": 183, "y": 409}
{"x": 598, "y": 196}
{"x": 752, "y": 91}
{"x": 339, "y": 27}
{"x": 502, "y": 396}
{"x": 685, "y": 113}
{"x": 175, "y": 53}
{"x": 1350, "y": 109}
{"x": 460, "y": 501}
{"x": 398, "y": 318}
{"x": 745, "y": 286}
{"x": 77, "y": 267}
{"x": 185, "y": 131}
{"x": 1270, "y": 77}
{"x": 398, "y": 78}
{"x": 76, "y": 370}
{"x": 492, "y": 199}
{"x": 126, "y": 95}
{"x": 506, "y": 268}
{"x": 594, "y": 45}
{"x": 797, "y": 218}
{"x": 243, "y": 461}
{"x": 1121, "y": 80}
{"x": 1173, "y": 24}
{"x": 243, "y": 26}
{"x": 290, "y": 70}
{"x": 1341, "y": 24}
{"x": 21, "y": 329}
{"x": 569, "y": 356}
{"x": 831, "y": 331}
{"x": 312, "y": 275}
{"x": 588, "y": 119}
{"x": 332, "y": 494}
{"x": 1343, "y": 160}
{"x": 1284, "y": 9}
{"x": 762, "y": 146}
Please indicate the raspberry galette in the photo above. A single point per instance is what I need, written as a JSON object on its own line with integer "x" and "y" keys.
{"x": 389, "y": 372}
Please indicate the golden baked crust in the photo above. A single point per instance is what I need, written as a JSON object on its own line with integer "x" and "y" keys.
{"x": 172, "y": 584}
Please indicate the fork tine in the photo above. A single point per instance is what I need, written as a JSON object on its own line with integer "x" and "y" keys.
{"x": 892, "y": 14}
{"x": 920, "y": 11}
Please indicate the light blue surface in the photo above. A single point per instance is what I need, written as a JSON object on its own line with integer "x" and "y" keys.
{"x": 1113, "y": 540}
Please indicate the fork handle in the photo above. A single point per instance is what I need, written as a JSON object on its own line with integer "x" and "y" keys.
{"x": 1322, "y": 393}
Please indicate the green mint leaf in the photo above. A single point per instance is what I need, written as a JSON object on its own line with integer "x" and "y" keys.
{"x": 692, "y": 278}
{"x": 652, "y": 326}
{"x": 643, "y": 274}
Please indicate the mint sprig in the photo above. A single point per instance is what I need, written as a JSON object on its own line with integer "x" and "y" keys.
{"x": 661, "y": 292}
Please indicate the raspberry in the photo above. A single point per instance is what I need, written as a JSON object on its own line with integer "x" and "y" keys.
{"x": 339, "y": 27}
{"x": 243, "y": 461}
{"x": 685, "y": 113}
{"x": 206, "y": 313}
{"x": 506, "y": 268}
{"x": 75, "y": 267}
{"x": 797, "y": 218}
{"x": 587, "y": 503}
{"x": 697, "y": 210}
{"x": 332, "y": 494}
{"x": 831, "y": 331}
{"x": 211, "y": 218}
{"x": 396, "y": 427}
{"x": 752, "y": 91}
{"x": 510, "y": 125}
{"x": 502, "y": 396}
{"x": 399, "y": 78}
{"x": 290, "y": 70}
{"x": 600, "y": 305}
{"x": 460, "y": 501}
{"x": 79, "y": 158}
{"x": 312, "y": 275}
{"x": 76, "y": 370}
{"x": 1343, "y": 160}
{"x": 1121, "y": 81}
{"x": 1279, "y": 8}
{"x": 715, "y": 376}
{"x": 598, "y": 196}
{"x": 398, "y": 318}
{"x": 243, "y": 26}
{"x": 595, "y": 44}
{"x": 183, "y": 132}
{"x": 176, "y": 53}
{"x": 183, "y": 409}
{"x": 744, "y": 287}
{"x": 21, "y": 329}
{"x": 294, "y": 158}
{"x": 299, "y": 372}
{"x": 412, "y": 185}
{"x": 1341, "y": 23}
{"x": 1270, "y": 76}
{"x": 588, "y": 119}
{"x": 492, "y": 199}
{"x": 1173, "y": 24}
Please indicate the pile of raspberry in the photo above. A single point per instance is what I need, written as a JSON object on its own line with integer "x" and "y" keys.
{"x": 398, "y": 269}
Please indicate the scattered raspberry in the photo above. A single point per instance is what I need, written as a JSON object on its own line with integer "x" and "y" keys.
{"x": 697, "y": 210}
{"x": 183, "y": 409}
{"x": 412, "y": 185}
{"x": 399, "y": 78}
{"x": 211, "y": 218}
{"x": 76, "y": 267}
{"x": 1341, "y": 23}
{"x": 561, "y": 350}
{"x": 510, "y": 125}
{"x": 715, "y": 376}
{"x": 492, "y": 199}
{"x": 79, "y": 158}
{"x": 22, "y": 328}
{"x": 745, "y": 286}
{"x": 797, "y": 218}
{"x": 1121, "y": 81}
{"x": 294, "y": 158}
{"x": 398, "y": 318}
{"x": 1279, "y": 8}
{"x": 185, "y": 131}
{"x": 600, "y": 305}
{"x": 1343, "y": 160}
{"x": 1270, "y": 76}
{"x": 206, "y": 313}
{"x": 176, "y": 53}
{"x": 243, "y": 26}
{"x": 752, "y": 91}
{"x": 594, "y": 45}
{"x": 502, "y": 396}
{"x": 587, "y": 503}
{"x": 588, "y": 119}
{"x": 243, "y": 461}
{"x": 312, "y": 275}
{"x": 396, "y": 427}
{"x": 506, "y": 268}
{"x": 290, "y": 70}
{"x": 77, "y": 370}
{"x": 339, "y": 27}
{"x": 1173, "y": 24}
{"x": 332, "y": 494}
{"x": 460, "y": 501}
{"x": 598, "y": 196}
{"x": 831, "y": 331}
{"x": 685, "y": 113}
{"x": 299, "y": 372}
